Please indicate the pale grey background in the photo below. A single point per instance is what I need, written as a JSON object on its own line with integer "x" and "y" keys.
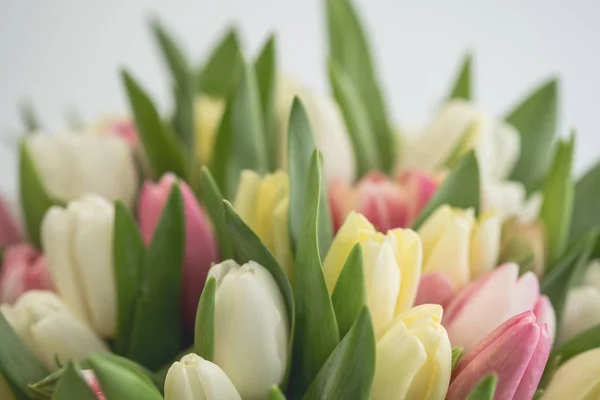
{"x": 62, "y": 53}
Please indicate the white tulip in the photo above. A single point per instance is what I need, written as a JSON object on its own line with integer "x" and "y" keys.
{"x": 250, "y": 326}
{"x": 47, "y": 326}
{"x": 77, "y": 241}
{"x": 509, "y": 199}
{"x": 194, "y": 378}
{"x": 71, "y": 164}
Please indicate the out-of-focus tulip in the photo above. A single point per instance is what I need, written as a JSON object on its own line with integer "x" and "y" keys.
{"x": 251, "y": 327}
{"x": 71, "y": 165}
{"x": 263, "y": 203}
{"x": 510, "y": 199}
{"x": 200, "y": 245}
{"x": 391, "y": 265}
{"x": 78, "y": 243}
{"x": 10, "y": 232}
{"x": 516, "y": 352}
{"x": 23, "y": 269}
{"x": 93, "y": 383}
{"x": 207, "y": 117}
{"x": 578, "y": 378}
{"x": 194, "y": 378}
{"x": 387, "y": 203}
{"x": 457, "y": 245}
{"x": 414, "y": 357}
{"x": 435, "y": 288}
{"x": 122, "y": 127}
{"x": 47, "y": 326}
{"x": 524, "y": 244}
{"x": 492, "y": 299}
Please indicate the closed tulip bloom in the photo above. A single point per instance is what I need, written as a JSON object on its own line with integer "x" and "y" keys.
{"x": 516, "y": 352}
{"x": 414, "y": 357}
{"x": 207, "y": 118}
{"x": 71, "y": 165}
{"x": 78, "y": 243}
{"x": 263, "y": 204}
{"x": 524, "y": 243}
{"x": 10, "y": 233}
{"x": 251, "y": 328}
{"x": 577, "y": 379}
{"x": 492, "y": 299}
{"x": 47, "y": 326}
{"x": 194, "y": 378}
{"x": 23, "y": 269}
{"x": 200, "y": 245}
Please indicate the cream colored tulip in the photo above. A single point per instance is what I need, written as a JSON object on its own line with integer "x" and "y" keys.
{"x": 78, "y": 243}
{"x": 510, "y": 199}
{"x": 194, "y": 378}
{"x": 391, "y": 265}
{"x": 414, "y": 357}
{"x": 251, "y": 328}
{"x": 577, "y": 379}
{"x": 47, "y": 326}
{"x": 207, "y": 118}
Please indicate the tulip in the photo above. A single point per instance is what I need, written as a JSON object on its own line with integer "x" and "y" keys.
{"x": 414, "y": 357}
{"x": 510, "y": 199}
{"x": 524, "y": 244}
{"x": 123, "y": 128}
{"x": 10, "y": 232}
{"x": 458, "y": 246}
{"x": 46, "y": 325}
{"x": 93, "y": 383}
{"x": 435, "y": 288}
{"x": 207, "y": 118}
{"x": 263, "y": 203}
{"x": 78, "y": 243}
{"x": 200, "y": 245}
{"x": 516, "y": 352}
{"x": 391, "y": 265}
{"x": 23, "y": 269}
{"x": 578, "y": 378}
{"x": 387, "y": 204}
{"x": 492, "y": 299}
{"x": 71, "y": 165}
{"x": 194, "y": 378}
{"x": 251, "y": 328}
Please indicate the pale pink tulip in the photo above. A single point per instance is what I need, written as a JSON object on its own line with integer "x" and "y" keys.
{"x": 124, "y": 128}
{"x": 23, "y": 269}
{"x": 200, "y": 245}
{"x": 435, "y": 288}
{"x": 93, "y": 383}
{"x": 516, "y": 352}
{"x": 9, "y": 230}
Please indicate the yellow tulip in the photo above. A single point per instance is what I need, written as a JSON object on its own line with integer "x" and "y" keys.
{"x": 578, "y": 378}
{"x": 207, "y": 118}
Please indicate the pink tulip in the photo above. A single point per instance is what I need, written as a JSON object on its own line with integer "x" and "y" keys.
{"x": 516, "y": 352}
{"x": 123, "y": 128}
{"x": 385, "y": 202}
{"x": 9, "y": 230}
{"x": 93, "y": 383}
{"x": 200, "y": 246}
{"x": 492, "y": 299}
{"x": 23, "y": 269}
{"x": 435, "y": 288}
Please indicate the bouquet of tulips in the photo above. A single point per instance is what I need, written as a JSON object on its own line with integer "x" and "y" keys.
{"x": 262, "y": 241}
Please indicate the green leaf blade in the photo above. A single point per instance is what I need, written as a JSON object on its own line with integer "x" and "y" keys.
{"x": 218, "y": 75}
{"x": 349, "y": 295}
{"x": 204, "y": 332}
{"x": 72, "y": 385}
{"x": 266, "y": 75}
{"x": 462, "y": 86}
{"x": 485, "y": 389}
{"x": 585, "y": 205}
{"x": 213, "y": 204}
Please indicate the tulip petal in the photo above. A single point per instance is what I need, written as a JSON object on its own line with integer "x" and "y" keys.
{"x": 577, "y": 378}
{"x": 535, "y": 369}
{"x": 485, "y": 244}
{"x": 581, "y": 312}
{"x": 525, "y": 294}
{"x": 409, "y": 253}
{"x": 545, "y": 315}
{"x": 178, "y": 385}
{"x": 435, "y": 288}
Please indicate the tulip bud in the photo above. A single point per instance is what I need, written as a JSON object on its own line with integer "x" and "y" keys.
{"x": 251, "y": 328}
{"x": 194, "y": 378}
{"x": 492, "y": 299}
{"x": 516, "y": 352}
{"x": 523, "y": 243}
{"x": 200, "y": 245}
{"x": 23, "y": 269}
{"x": 71, "y": 165}
{"x": 578, "y": 378}
{"x": 207, "y": 118}
{"x": 78, "y": 243}
{"x": 414, "y": 357}
{"x": 10, "y": 232}
{"x": 47, "y": 326}
{"x": 391, "y": 265}
{"x": 263, "y": 204}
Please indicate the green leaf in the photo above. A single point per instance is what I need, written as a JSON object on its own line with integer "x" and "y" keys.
{"x": 462, "y": 85}
{"x": 316, "y": 327}
{"x": 535, "y": 118}
{"x": 204, "y": 332}
{"x": 213, "y": 204}
{"x": 485, "y": 389}
{"x": 72, "y": 385}
{"x": 34, "y": 199}
{"x": 18, "y": 365}
{"x": 460, "y": 189}
{"x": 29, "y": 117}
{"x": 266, "y": 75}
{"x": 357, "y": 120}
{"x": 128, "y": 257}
{"x": 557, "y": 207}
{"x": 144, "y": 374}
{"x": 240, "y": 142}
{"x": 584, "y": 341}
{"x": 585, "y": 205}
{"x": 350, "y": 294}
{"x": 156, "y": 333}
{"x": 300, "y": 148}
{"x": 220, "y": 72}
{"x": 276, "y": 394}
{"x": 349, "y": 371}
{"x": 164, "y": 153}
{"x": 349, "y": 48}
{"x": 457, "y": 354}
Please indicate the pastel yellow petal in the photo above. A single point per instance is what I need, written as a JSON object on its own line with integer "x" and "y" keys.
{"x": 577, "y": 378}
{"x": 485, "y": 244}
{"x": 245, "y": 198}
{"x": 207, "y": 118}
{"x": 409, "y": 257}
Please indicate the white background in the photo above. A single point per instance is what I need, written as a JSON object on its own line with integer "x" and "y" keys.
{"x": 66, "y": 53}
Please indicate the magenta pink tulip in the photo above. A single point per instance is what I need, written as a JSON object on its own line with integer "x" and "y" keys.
{"x": 23, "y": 269}
{"x": 9, "y": 230}
{"x": 200, "y": 245}
{"x": 435, "y": 288}
{"x": 516, "y": 352}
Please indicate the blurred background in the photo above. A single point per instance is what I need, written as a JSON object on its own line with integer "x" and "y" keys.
{"x": 66, "y": 54}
